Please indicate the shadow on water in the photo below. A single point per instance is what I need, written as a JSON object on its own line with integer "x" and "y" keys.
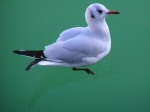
{"x": 54, "y": 78}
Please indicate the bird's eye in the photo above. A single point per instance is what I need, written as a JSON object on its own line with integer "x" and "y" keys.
{"x": 100, "y": 11}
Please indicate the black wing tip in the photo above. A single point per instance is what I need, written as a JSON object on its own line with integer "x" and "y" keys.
{"x": 15, "y": 51}
{"x": 27, "y": 69}
{"x": 30, "y": 53}
{"x": 32, "y": 64}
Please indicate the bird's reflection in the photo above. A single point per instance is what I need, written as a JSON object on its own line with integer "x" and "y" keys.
{"x": 57, "y": 77}
{"x": 54, "y": 78}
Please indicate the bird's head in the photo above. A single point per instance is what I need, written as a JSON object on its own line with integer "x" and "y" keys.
{"x": 96, "y": 12}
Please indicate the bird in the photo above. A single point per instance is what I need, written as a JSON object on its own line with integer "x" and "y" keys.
{"x": 77, "y": 47}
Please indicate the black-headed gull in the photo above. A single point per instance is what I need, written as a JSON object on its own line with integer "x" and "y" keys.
{"x": 79, "y": 46}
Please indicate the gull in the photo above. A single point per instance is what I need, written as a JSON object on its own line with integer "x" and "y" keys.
{"x": 79, "y": 46}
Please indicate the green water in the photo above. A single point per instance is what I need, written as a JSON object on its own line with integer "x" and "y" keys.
{"x": 122, "y": 80}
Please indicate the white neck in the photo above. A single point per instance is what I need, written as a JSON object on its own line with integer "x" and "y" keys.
{"x": 100, "y": 28}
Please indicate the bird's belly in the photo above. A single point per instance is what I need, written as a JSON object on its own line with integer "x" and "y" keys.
{"x": 99, "y": 52}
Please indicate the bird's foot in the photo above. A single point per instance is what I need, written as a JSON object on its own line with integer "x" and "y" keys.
{"x": 87, "y": 70}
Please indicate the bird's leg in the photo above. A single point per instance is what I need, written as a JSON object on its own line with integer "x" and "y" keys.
{"x": 84, "y": 69}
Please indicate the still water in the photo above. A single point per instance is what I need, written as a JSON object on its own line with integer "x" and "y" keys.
{"x": 122, "y": 80}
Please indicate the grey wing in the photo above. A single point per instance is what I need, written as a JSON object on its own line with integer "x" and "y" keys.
{"x": 72, "y": 50}
{"x": 70, "y": 33}
{"x": 72, "y": 46}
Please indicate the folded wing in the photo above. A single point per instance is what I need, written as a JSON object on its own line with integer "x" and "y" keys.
{"x": 70, "y": 33}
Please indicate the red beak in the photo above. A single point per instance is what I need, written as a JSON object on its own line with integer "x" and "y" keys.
{"x": 113, "y": 12}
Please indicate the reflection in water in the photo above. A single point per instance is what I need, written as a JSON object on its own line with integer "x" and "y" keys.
{"x": 54, "y": 78}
